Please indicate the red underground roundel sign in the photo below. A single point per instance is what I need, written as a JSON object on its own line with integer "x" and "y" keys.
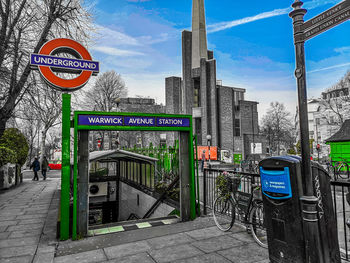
{"x": 48, "y": 61}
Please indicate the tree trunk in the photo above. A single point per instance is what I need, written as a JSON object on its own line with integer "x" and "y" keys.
{"x": 3, "y": 121}
{"x": 110, "y": 140}
{"x": 42, "y": 146}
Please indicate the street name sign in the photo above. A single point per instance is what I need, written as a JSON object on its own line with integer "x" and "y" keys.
{"x": 326, "y": 20}
{"x": 47, "y": 63}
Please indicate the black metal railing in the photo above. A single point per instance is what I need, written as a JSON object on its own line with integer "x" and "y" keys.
{"x": 340, "y": 190}
{"x": 207, "y": 182}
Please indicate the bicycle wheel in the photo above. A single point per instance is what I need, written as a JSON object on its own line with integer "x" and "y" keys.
{"x": 257, "y": 226}
{"x": 341, "y": 171}
{"x": 224, "y": 213}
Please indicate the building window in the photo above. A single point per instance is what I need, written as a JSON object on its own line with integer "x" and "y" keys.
{"x": 196, "y": 94}
{"x": 237, "y": 128}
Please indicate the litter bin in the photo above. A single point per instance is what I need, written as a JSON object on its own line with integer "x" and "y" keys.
{"x": 282, "y": 188}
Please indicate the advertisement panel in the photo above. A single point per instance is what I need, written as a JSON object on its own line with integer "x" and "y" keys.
{"x": 213, "y": 152}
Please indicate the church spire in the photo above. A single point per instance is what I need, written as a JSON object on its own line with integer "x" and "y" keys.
{"x": 199, "y": 34}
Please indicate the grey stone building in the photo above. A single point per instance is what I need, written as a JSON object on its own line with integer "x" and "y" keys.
{"x": 219, "y": 111}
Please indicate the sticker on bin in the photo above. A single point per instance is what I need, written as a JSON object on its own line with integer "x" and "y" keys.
{"x": 276, "y": 183}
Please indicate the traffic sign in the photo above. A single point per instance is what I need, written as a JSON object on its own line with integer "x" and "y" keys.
{"x": 326, "y": 20}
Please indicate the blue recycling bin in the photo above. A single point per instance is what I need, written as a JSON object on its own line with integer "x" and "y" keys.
{"x": 282, "y": 188}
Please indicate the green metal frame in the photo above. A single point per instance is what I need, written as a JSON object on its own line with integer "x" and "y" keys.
{"x": 65, "y": 172}
{"x": 130, "y": 128}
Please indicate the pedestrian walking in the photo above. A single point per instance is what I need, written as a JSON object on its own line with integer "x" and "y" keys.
{"x": 203, "y": 160}
{"x": 44, "y": 165}
{"x": 36, "y": 167}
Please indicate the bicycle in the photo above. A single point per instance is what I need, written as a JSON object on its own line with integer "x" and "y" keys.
{"x": 250, "y": 166}
{"x": 226, "y": 207}
{"x": 341, "y": 169}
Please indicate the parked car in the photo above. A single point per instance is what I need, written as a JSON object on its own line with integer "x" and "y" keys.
{"x": 55, "y": 165}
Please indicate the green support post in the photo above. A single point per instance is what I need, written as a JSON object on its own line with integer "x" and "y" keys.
{"x": 65, "y": 172}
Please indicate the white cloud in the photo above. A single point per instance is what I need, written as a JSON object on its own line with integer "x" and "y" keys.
{"x": 138, "y": 1}
{"x": 277, "y": 12}
{"x": 330, "y": 67}
{"x": 128, "y": 64}
{"x": 226, "y": 25}
{"x": 149, "y": 40}
{"x": 342, "y": 50}
{"x": 116, "y": 52}
{"x": 316, "y": 3}
{"x": 109, "y": 36}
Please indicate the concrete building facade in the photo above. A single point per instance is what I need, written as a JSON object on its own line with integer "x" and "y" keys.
{"x": 219, "y": 111}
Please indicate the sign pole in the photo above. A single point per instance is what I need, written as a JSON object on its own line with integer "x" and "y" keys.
{"x": 309, "y": 201}
{"x": 65, "y": 172}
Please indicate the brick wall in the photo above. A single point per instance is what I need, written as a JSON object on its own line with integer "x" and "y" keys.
{"x": 225, "y": 108}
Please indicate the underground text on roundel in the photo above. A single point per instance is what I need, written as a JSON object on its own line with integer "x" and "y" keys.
{"x": 66, "y": 63}
{"x": 99, "y": 120}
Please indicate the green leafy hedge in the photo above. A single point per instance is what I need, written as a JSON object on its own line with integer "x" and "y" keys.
{"x": 14, "y": 140}
{"x": 7, "y": 156}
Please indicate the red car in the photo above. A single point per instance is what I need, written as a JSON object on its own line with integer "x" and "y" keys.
{"x": 55, "y": 165}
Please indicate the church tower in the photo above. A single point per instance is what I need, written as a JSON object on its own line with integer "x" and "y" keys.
{"x": 215, "y": 109}
{"x": 199, "y": 93}
{"x": 199, "y": 33}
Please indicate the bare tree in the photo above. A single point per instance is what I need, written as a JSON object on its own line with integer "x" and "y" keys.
{"x": 30, "y": 126}
{"x": 25, "y": 26}
{"x": 45, "y": 105}
{"x": 277, "y": 126}
{"x": 336, "y": 101}
{"x": 105, "y": 96}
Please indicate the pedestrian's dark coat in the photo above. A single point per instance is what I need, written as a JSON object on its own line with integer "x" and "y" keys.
{"x": 35, "y": 165}
{"x": 44, "y": 164}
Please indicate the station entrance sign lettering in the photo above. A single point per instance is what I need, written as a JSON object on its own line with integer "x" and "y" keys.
{"x": 107, "y": 120}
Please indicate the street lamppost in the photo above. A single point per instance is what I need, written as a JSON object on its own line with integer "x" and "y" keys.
{"x": 208, "y": 143}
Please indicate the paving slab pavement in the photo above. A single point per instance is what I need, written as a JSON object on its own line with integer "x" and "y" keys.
{"x": 28, "y": 216}
{"x": 196, "y": 241}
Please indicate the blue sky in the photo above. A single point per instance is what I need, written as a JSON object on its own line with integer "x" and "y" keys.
{"x": 252, "y": 43}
